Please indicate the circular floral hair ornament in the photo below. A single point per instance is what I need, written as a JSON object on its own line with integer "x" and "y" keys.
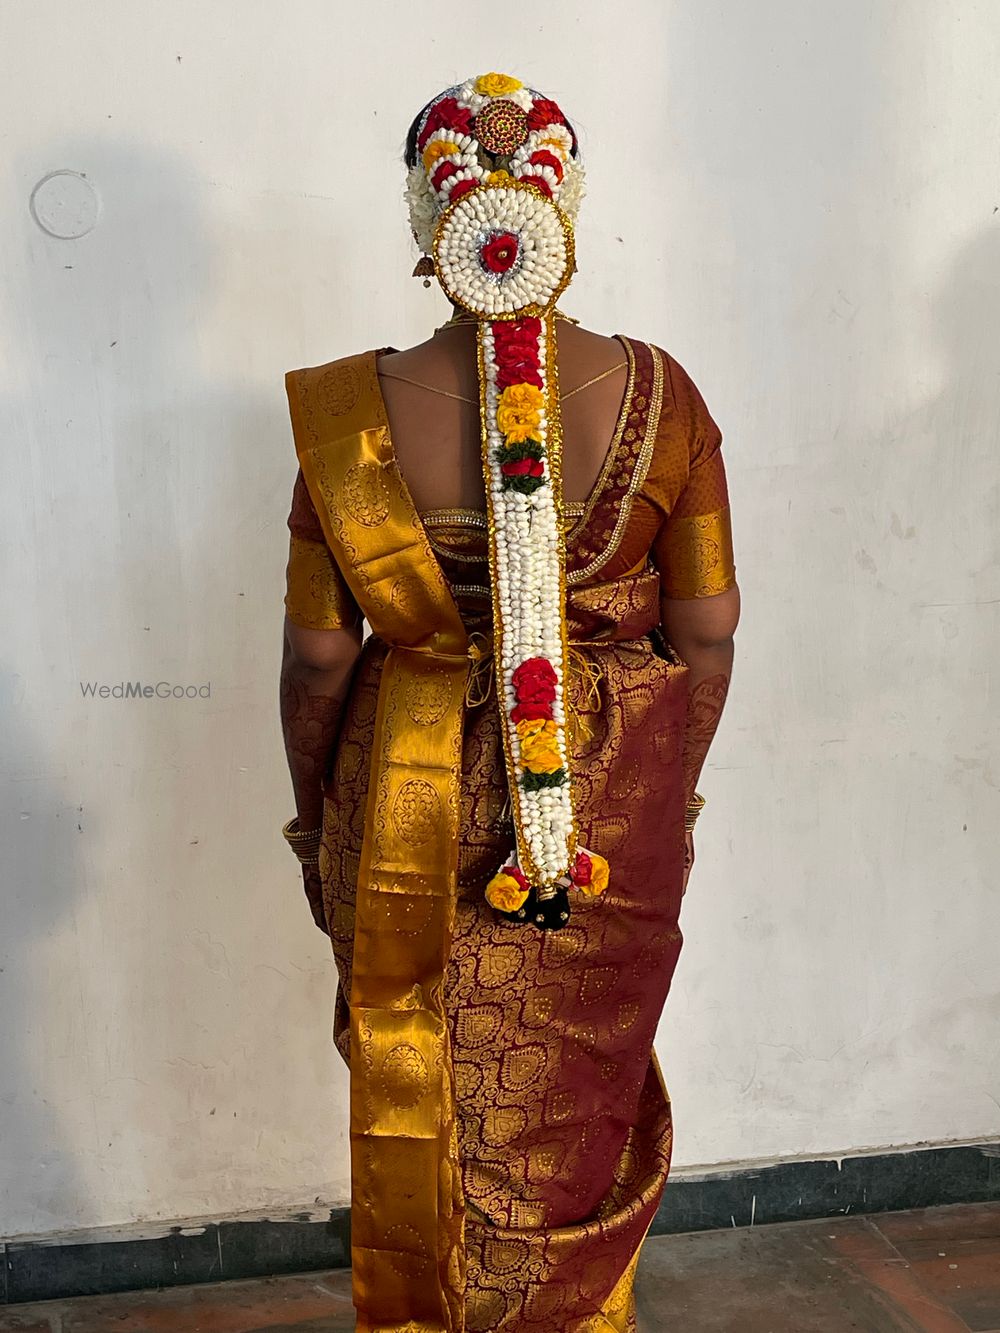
{"x": 501, "y": 250}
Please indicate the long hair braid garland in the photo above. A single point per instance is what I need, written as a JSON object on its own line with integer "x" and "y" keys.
{"x": 503, "y": 248}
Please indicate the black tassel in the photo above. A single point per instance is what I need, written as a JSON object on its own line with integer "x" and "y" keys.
{"x": 545, "y": 913}
{"x": 551, "y": 913}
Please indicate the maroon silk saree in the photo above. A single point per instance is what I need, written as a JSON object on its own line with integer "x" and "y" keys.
{"x": 509, "y": 1067}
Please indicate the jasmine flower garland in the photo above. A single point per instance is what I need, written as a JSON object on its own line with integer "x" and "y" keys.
{"x": 503, "y": 249}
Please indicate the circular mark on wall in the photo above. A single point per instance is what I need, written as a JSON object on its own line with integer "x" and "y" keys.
{"x": 65, "y": 205}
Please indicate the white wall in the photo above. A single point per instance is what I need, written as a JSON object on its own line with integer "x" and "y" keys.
{"x": 799, "y": 200}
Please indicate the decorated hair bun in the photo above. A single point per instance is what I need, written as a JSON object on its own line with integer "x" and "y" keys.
{"x": 494, "y": 116}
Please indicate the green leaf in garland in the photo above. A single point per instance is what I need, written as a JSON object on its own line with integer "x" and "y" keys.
{"x": 534, "y": 781}
{"x": 524, "y": 485}
{"x": 513, "y": 453}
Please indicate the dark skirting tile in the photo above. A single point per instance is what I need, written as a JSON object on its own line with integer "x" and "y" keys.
{"x": 794, "y": 1191}
{"x": 33, "y": 1270}
{"x": 259, "y": 1248}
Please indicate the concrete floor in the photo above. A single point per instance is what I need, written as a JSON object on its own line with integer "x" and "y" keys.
{"x": 928, "y": 1271}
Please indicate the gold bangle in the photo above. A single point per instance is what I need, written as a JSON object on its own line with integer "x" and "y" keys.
{"x": 307, "y": 856}
{"x": 303, "y": 842}
{"x": 692, "y": 811}
{"x": 295, "y": 836}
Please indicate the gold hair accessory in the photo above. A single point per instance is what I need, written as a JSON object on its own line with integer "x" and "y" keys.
{"x": 693, "y": 810}
{"x": 424, "y": 268}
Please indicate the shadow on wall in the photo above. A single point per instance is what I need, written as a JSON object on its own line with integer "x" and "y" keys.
{"x": 41, "y": 874}
{"x": 931, "y": 497}
{"x": 149, "y": 517}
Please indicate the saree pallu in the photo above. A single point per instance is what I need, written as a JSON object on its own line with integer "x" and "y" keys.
{"x": 511, "y": 1132}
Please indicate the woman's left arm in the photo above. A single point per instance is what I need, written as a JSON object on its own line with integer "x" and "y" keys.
{"x": 701, "y": 630}
{"x": 322, "y": 641}
{"x": 699, "y": 596}
{"x": 316, "y": 668}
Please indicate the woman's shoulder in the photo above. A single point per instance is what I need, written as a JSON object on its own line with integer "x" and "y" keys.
{"x": 348, "y": 362}
{"x": 682, "y": 398}
{"x": 334, "y": 397}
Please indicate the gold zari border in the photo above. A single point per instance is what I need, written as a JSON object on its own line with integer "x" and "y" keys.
{"x": 316, "y": 596}
{"x": 407, "y": 1210}
{"x": 698, "y": 555}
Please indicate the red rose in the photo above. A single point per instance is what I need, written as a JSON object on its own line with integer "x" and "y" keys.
{"x": 516, "y": 351}
{"x": 499, "y": 253}
{"x": 528, "y": 327}
{"x": 442, "y": 173}
{"x": 518, "y": 333}
{"x": 540, "y": 693}
{"x": 583, "y": 869}
{"x": 529, "y": 712}
{"x": 534, "y": 681}
{"x": 535, "y": 666}
{"x": 520, "y": 352}
{"x": 518, "y": 373}
{"x": 516, "y": 874}
{"x": 541, "y": 182}
{"x": 463, "y": 187}
{"x": 544, "y": 112}
{"x": 523, "y": 467}
{"x": 543, "y": 158}
{"x": 445, "y": 115}
{"x": 521, "y": 341}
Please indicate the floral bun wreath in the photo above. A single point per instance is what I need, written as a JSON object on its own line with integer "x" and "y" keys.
{"x": 502, "y": 242}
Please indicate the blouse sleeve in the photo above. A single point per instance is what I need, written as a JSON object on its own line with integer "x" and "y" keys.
{"x": 693, "y": 549}
{"x": 316, "y": 592}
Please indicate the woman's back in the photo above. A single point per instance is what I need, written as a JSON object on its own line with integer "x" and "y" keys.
{"x": 436, "y": 438}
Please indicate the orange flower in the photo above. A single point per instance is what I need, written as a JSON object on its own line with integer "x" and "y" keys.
{"x": 437, "y": 149}
{"x": 519, "y": 411}
{"x": 505, "y": 893}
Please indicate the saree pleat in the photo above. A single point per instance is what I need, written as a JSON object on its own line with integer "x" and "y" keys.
{"x": 510, "y": 1129}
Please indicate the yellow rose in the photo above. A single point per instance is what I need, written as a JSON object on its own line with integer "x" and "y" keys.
{"x": 438, "y": 148}
{"x": 599, "y": 875}
{"x": 519, "y": 411}
{"x": 538, "y": 745}
{"x": 504, "y": 893}
{"x": 495, "y": 85}
{"x": 496, "y": 177}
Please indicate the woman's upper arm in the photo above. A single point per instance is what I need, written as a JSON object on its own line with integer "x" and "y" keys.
{"x": 316, "y": 593}
{"x": 693, "y": 549}
{"x": 323, "y": 622}
{"x": 321, "y": 649}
